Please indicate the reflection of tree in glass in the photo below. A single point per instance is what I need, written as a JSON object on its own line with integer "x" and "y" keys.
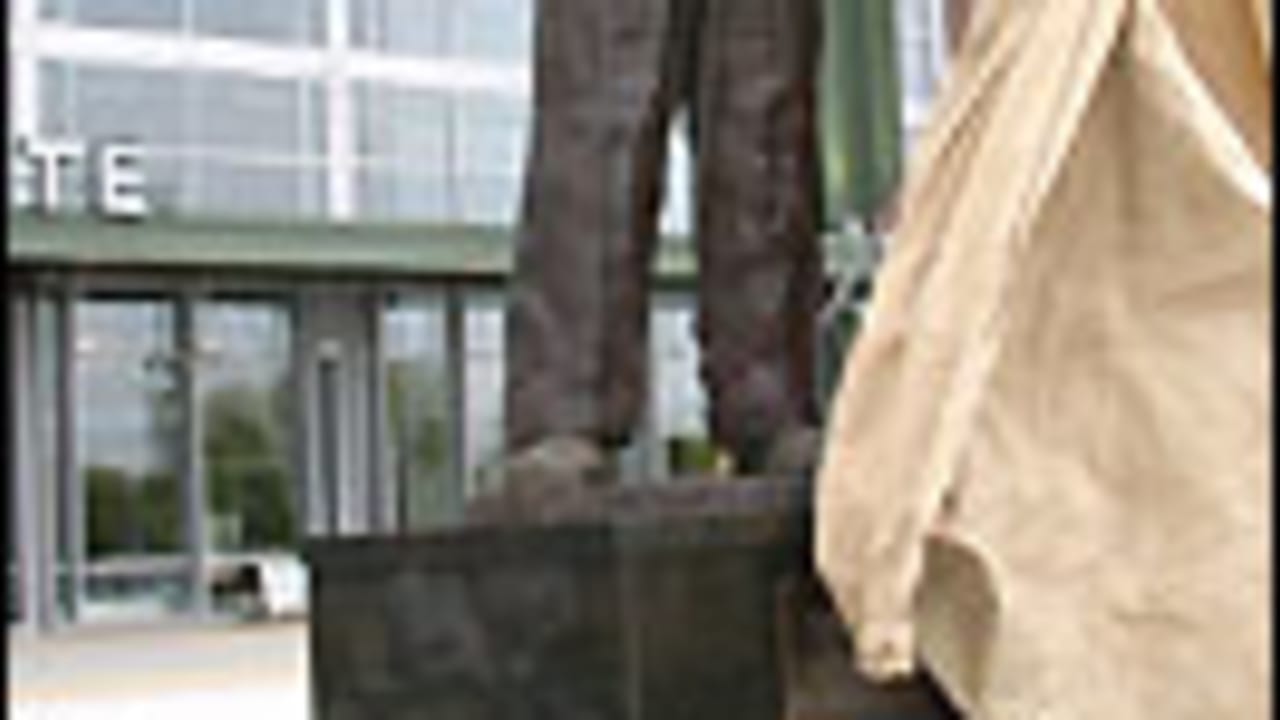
{"x": 417, "y": 408}
{"x": 160, "y": 512}
{"x": 248, "y": 478}
{"x": 110, "y": 510}
{"x": 165, "y": 410}
{"x": 130, "y": 515}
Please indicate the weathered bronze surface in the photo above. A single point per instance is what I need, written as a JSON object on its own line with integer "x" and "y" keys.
{"x": 609, "y": 77}
{"x": 690, "y": 601}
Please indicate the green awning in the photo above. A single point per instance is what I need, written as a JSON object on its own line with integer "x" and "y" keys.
{"x": 390, "y": 250}
{"x": 364, "y": 249}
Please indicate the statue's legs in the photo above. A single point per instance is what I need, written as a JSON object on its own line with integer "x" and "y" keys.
{"x": 758, "y": 211}
{"x": 578, "y": 310}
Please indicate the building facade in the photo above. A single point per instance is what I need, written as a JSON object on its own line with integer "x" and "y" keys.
{"x": 257, "y": 255}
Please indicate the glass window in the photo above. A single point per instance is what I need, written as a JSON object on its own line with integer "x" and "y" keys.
{"x": 165, "y": 174}
{"x": 494, "y": 30}
{"x": 921, "y": 39}
{"x": 677, "y": 200}
{"x": 21, "y": 180}
{"x": 489, "y": 200}
{"x": 244, "y": 188}
{"x": 486, "y": 370}
{"x": 406, "y": 127}
{"x": 404, "y": 145}
{"x": 410, "y": 27}
{"x": 492, "y": 134}
{"x": 247, "y": 418}
{"x": 55, "y": 99}
{"x": 272, "y": 20}
{"x": 315, "y": 125}
{"x": 53, "y": 9}
{"x": 679, "y": 400}
{"x": 131, "y": 14}
{"x": 247, "y": 113}
{"x": 107, "y": 102}
{"x": 418, "y": 414}
{"x": 213, "y": 142}
{"x": 388, "y": 194}
{"x": 129, "y": 431}
{"x": 99, "y": 103}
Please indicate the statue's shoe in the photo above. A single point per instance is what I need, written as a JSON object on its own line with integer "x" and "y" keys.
{"x": 791, "y": 453}
{"x": 545, "y": 478}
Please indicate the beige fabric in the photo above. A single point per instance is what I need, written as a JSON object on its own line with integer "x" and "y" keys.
{"x": 1048, "y": 468}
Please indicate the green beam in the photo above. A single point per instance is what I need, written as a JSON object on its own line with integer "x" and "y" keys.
{"x": 861, "y": 108}
{"x": 405, "y": 250}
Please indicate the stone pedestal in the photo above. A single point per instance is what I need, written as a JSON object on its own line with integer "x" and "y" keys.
{"x": 690, "y": 601}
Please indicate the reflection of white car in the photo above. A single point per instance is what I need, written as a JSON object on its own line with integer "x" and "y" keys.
{"x": 272, "y": 586}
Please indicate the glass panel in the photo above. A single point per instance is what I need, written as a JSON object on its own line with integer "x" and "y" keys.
{"x": 55, "y": 99}
{"x": 105, "y": 103}
{"x": 679, "y": 400}
{"x": 245, "y": 404}
{"x": 384, "y": 194}
{"x": 677, "y": 201}
{"x": 493, "y": 200}
{"x": 494, "y": 30}
{"x": 98, "y": 103}
{"x": 406, "y": 127}
{"x": 411, "y": 27}
{"x": 315, "y": 120}
{"x": 276, "y": 20}
{"x": 21, "y": 180}
{"x": 129, "y": 431}
{"x": 492, "y": 133}
{"x": 919, "y": 46}
{"x": 418, "y": 413}
{"x": 165, "y": 174}
{"x": 247, "y": 189}
{"x": 247, "y": 113}
{"x": 486, "y": 369}
{"x": 141, "y": 14}
{"x": 54, "y": 9}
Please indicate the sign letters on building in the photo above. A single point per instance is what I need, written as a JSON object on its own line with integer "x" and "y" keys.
{"x": 112, "y": 173}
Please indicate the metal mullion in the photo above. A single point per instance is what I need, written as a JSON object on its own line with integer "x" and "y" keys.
{"x": 340, "y": 113}
{"x": 24, "y": 490}
{"x": 329, "y": 391}
{"x": 69, "y": 495}
{"x": 191, "y": 471}
{"x": 45, "y": 481}
{"x": 381, "y": 488}
{"x": 456, "y": 384}
{"x": 303, "y": 414}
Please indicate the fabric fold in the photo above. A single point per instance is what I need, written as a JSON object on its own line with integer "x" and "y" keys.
{"x": 1081, "y": 275}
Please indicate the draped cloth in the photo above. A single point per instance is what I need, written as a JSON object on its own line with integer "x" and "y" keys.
{"x": 1047, "y": 470}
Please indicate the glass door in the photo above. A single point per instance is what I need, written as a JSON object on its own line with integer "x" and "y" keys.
{"x": 129, "y": 429}
{"x": 246, "y": 408}
{"x": 418, "y": 414}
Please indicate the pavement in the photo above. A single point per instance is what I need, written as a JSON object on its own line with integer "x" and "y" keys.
{"x": 189, "y": 672}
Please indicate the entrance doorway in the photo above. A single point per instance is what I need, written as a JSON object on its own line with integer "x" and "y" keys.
{"x": 127, "y": 505}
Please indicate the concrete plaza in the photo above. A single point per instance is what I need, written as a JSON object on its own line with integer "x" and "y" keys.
{"x": 183, "y": 672}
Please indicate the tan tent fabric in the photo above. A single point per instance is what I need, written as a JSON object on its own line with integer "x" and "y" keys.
{"x": 1048, "y": 469}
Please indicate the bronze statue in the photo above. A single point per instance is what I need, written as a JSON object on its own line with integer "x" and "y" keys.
{"x": 609, "y": 76}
